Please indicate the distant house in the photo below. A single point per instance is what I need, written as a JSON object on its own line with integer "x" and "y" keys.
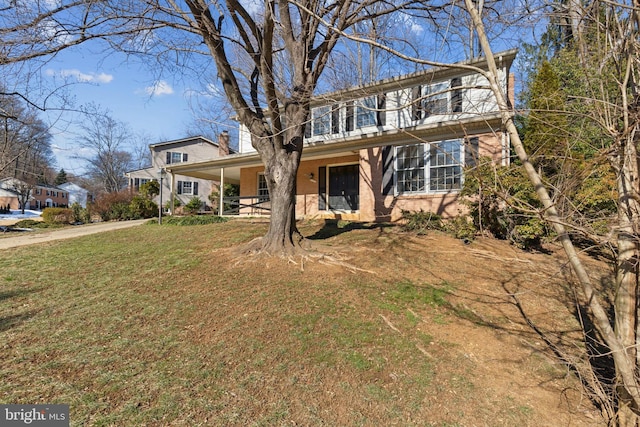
{"x": 165, "y": 155}
{"x": 374, "y": 151}
{"x": 77, "y": 194}
{"x": 40, "y": 195}
{"x": 9, "y": 198}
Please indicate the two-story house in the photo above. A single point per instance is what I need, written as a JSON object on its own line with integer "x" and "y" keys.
{"x": 373, "y": 151}
{"x": 36, "y": 196}
{"x": 167, "y": 154}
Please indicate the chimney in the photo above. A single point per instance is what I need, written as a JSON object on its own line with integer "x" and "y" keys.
{"x": 223, "y": 144}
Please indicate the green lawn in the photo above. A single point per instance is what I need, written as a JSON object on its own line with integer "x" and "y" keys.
{"x": 165, "y": 325}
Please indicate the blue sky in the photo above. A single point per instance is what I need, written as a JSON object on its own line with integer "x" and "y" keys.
{"x": 158, "y": 108}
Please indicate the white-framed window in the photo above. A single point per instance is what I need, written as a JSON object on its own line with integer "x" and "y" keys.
{"x": 137, "y": 182}
{"x": 325, "y": 120}
{"x": 176, "y": 157}
{"x": 263, "y": 191}
{"x": 189, "y": 188}
{"x": 410, "y": 170}
{"x": 430, "y": 167}
{"x": 445, "y": 169}
{"x": 437, "y": 99}
{"x": 366, "y": 112}
{"x": 321, "y": 120}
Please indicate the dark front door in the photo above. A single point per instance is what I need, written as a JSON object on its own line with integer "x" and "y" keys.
{"x": 344, "y": 188}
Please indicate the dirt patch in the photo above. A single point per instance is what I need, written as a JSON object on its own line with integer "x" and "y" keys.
{"x": 473, "y": 344}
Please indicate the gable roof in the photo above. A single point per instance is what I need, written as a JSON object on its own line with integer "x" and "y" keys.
{"x": 183, "y": 140}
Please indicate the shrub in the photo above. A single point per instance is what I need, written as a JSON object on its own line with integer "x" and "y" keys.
{"x": 194, "y": 220}
{"x": 78, "y": 213}
{"x": 30, "y": 223}
{"x": 193, "y": 206}
{"x": 421, "y": 221}
{"x": 113, "y": 206}
{"x": 57, "y": 215}
{"x": 141, "y": 207}
{"x": 150, "y": 189}
{"x": 176, "y": 204}
{"x": 503, "y": 202}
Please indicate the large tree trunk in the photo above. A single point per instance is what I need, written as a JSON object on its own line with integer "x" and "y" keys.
{"x": 281, "y": 172}
{"x": 281, "y": 157}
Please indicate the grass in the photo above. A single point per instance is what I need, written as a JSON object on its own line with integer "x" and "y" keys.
{"x": 160, "y": 326}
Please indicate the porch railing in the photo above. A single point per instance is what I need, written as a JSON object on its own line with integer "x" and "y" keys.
{"x": 246, "y": 205}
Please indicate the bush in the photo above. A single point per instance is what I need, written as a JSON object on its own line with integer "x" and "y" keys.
{"x": 502, "y": 202}
{"x": 150, "y": 189}
{"x": 193, "y": 220}
{"x": 57, "y": 215}
{"x": 421, "y": 221}
{"x": 193, "y": 206}
{"x": 113, "y": 206}
{"x": 141, "y": 207}
{"x": 30, "y": 223}
{"x": 80, "y": 214}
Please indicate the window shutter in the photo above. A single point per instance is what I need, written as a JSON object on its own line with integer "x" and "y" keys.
{"x": 348, "y": 122}
{"x": 322, "y": 188}
{"x": 168, "y": 157}
{"x": 471, "y": 151}
{"x": 179, "y": 187}
{"x": 387, "y": 170}
{"x": 185, "y": 156}
{"x": 195, "y": 188}
{"x": 382, "y": 110}
{"x": 335, "y": 118}
{"x": 416, "y": 103}
{"x": 456, "y": 95}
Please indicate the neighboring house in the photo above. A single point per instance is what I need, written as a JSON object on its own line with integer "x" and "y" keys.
{"x": 9, "y": 198}
{"x": 77, "y": 194}
{"x": 165, "y": 155}
{"x": 41, "y": 195}
{"x": 374, "y": 151}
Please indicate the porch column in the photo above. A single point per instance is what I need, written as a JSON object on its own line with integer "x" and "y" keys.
{"x": 221, "y": 191}
{"x": 172, "y": 193}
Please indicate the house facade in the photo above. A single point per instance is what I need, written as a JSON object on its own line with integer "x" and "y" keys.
{"x": 177, "y": 187}
{"x": 40, "y": 195}
{"x": 77, "y": 194}
{"x": 374, "y": 151}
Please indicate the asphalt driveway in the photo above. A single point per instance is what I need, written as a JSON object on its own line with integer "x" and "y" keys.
{"x": 16, "y": 239}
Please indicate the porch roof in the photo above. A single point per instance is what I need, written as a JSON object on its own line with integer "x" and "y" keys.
{"x": 335, "y": 147}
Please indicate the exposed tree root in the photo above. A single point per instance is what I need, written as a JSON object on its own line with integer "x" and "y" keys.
{"x": 296, "y": 255}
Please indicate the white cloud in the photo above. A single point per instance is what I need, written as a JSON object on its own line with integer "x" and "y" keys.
{"x": 159, "y": 88}
{"x": 412, "y": 24}
{"x": 82, "y": 77}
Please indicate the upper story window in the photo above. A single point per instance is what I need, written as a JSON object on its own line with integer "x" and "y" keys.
{"x": 176, "y": 157}
{"x": 321, "y": 120}
{"x": 347, "y": 116}
{"x": 437, "y": 98}
{"x": 366, "y": 112}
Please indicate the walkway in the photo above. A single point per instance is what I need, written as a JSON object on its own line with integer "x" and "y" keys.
{"x": 30, "y": 238}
